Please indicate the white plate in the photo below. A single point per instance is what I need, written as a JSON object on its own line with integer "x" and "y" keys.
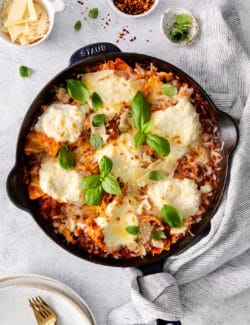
{"x": 15, "y": 292}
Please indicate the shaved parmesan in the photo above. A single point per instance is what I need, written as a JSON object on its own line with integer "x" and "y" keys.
{"x": 24, "y": 21}
{"x": 17, "y": 10}
{"x": 16, "y": 30}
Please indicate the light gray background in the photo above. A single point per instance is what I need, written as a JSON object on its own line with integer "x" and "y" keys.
{"x": 23, "y": 246}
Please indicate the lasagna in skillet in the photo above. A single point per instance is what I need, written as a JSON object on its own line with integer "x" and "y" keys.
{"x": 123, "y": 160}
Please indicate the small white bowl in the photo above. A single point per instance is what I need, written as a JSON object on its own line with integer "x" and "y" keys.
{"x": 123, "y": 14}
{"x": 51, "y": 7}
{"x": 168, "y": 19}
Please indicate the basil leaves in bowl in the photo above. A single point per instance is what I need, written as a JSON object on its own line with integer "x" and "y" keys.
{"x": 179, "y": 26}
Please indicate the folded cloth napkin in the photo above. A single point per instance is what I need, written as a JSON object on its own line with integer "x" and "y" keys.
{"x": 218, "y": 265}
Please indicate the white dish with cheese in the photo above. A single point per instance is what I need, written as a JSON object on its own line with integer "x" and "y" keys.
{"x": 26, "y": 23}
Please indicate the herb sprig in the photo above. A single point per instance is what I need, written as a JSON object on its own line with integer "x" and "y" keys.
{"x": 65, "y": 158}
{"x": 172, "y": 216}
{"x": 181, "y": 28}
{"x": 95, "y": 185}
{"x": 77, "y": 90}
{"x": 141, "y": 113}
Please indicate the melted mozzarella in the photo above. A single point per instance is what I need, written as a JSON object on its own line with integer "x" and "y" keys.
{"x": 120, "y": 216}
{"x": 179, "y": 124}
{"x": 113, "y": 90}
{"x": 182, "y": 194}
{"x": 62, "y": 122}
{"x": 59, "y": 183}
{"x": 125, "y": 158}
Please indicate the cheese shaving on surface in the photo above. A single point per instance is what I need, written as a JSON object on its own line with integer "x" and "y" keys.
{"x": 24, "y": 21}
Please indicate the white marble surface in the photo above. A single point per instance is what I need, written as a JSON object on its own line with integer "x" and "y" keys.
{"x": 23, "y": 247}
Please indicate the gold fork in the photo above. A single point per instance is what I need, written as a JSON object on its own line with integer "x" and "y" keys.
{"x": 42, "y": 311}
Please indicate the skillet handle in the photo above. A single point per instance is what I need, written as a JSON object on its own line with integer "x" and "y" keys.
{"x": 14, "y": 187}
{"x": 151, "y": 269}
{"x": 229, "y": 131}
{"x": 92, "y": 50}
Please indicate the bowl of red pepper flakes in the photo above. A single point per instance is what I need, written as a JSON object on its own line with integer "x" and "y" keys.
{"x": 133, "y": 8}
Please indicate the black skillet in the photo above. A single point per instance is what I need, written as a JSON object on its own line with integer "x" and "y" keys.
{"x": 88, "y": 56}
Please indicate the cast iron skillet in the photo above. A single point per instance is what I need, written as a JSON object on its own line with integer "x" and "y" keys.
{"x": 91, "y": 55}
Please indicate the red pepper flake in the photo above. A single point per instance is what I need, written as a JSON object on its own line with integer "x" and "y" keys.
{"x": 134, "y": 7}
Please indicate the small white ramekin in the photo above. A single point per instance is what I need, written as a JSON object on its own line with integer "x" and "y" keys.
{"x": 123, "y": 14}
{"x": 51, "y": 7}
{"x": 167, "y": 21}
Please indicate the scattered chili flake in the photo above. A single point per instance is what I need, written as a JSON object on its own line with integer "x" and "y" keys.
{"x": 134, "y": 7}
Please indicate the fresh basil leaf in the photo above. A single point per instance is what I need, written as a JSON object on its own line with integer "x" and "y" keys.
{"x": 96, "y": 141}
{"x": 105, "y": 166}
{"x": 132, "y": 230}
{"x": 96, "y": 101}
{"x": 78, "y": 25}
{"x": 184, "y": 20}
{"x": 77, "y": 90}
{"x": 140, "y": 110}
{"x": 172, "y": 216}
{"x": 169, "y": 90}
{"x": 158, "y": 235}
{"x": 159, "y": 144}
{"x": 147, "y": 127}
{"x": 177, "y": 34}
{"x": 24, "y": 71}
{"x": 139, "y": 139}
{"x": 93, "y": 13}
{"x": 154, "y": 175}
{"x": 93, "y": 196}
{"x": 91, "y": 181}
{"x": 111, "y": 185}
{"x": 98, "y": 120}
{"x": 65, "y": 158}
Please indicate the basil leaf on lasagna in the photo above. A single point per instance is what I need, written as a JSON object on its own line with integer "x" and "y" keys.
{"x": 96, "y": 101}
{"x": 96, "y": 141}
{"x": 93, "y": 196}
{"x": 77, "y": 90}
{"x": 105, "y": 166}
{"x": 140, "y": 110}
{"x": 169, "y": 90}
{"x": 158, "y": 235}
{"x": 111, "y": 185}
{"x": 91, "y": 181}
{"x": 154, "y": 175}
{"x": 147, "y": 127}
{"x": 98, "y": 120}
{"x": 65, "y": 158}
{"x": 139, "y": 139}
{"x": 172, "y": 216}
{"x": 159, "y": 144}
{"x": 132, "y": 230}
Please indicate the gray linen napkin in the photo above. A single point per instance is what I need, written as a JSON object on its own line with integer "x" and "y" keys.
{"x": 218, "y": 265}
